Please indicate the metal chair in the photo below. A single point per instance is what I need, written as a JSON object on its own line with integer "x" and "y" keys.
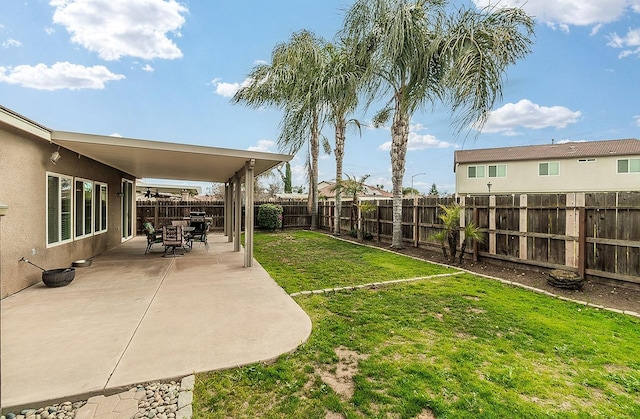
{"x": 153, "y": 236}
{"x": 173, "y": 239}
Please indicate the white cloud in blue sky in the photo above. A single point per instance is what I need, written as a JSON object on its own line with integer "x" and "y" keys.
{"x": 562, "y": 13}
{"x": 118, "y": 28}
{"x": 629, "y": 43}
{"x": 419, "y": 141}
{"x": 59, "y": 76}
{"x": 526, "y": 114}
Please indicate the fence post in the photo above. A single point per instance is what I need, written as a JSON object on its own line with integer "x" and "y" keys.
{"x": 156, "y": 212}
{"x": 378, "y": 220}
{"x": 523, "y": 227}
{"x": 476, "y": 221}
{"x": 582, "y": 234}
{"x": 416, "y": 222}
{"x": 492, "y": 224}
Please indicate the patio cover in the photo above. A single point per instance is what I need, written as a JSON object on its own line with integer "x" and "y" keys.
{"x": 162, "y": 160}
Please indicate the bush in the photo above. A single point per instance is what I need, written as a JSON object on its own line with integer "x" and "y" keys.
{"x": 270, "y": 216}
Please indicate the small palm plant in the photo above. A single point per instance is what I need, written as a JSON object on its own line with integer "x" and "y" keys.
{"x": 449, "y": 235}
{"x": 472, "y": 233}
{"x": 365, "y": 207}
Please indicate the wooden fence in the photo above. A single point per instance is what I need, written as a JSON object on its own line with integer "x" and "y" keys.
{"x": 595, "y": 234}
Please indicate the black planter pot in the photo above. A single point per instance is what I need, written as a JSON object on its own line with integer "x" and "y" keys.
{"x": 58, "y": 277}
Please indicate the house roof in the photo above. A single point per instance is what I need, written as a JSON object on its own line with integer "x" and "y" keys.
{"x": 550, "y": 151}
{"x": 150, "y": 159}
{"x": 325, "y": 188}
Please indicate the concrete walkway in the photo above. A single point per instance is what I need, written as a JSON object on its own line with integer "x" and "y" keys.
{"x": 132, "y": 318}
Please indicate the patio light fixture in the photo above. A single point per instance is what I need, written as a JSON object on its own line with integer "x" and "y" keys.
{"x": 55, "y": 156}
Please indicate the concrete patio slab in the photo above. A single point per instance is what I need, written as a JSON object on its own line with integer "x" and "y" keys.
{"x": 132, "y": 318}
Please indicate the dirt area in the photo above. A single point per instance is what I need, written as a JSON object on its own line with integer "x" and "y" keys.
{"x": 608, "y": 295}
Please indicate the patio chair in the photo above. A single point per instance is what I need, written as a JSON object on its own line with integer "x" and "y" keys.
{"x": 200, "y": 235}
{"x": 173, "y": 239}
{"x": 153, "y": 236}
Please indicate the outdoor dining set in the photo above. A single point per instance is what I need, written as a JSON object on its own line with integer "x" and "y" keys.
{"x": 178, "y": 238}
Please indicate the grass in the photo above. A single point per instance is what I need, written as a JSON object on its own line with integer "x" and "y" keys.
{"x": 305, "y": 261}
{"x": 460, "y": 346}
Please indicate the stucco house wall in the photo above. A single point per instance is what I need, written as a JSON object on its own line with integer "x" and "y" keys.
{"x": 522, "y": 177}
{"x": 24, "y": 164}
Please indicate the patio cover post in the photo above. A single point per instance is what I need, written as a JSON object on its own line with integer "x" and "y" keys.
{"x": 228, "y": 210}
{"x": 248, "y": 213}
{"x": 238, "y": 213}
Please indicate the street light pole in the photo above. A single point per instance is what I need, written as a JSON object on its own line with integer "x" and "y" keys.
{"x": 417, "y": 174}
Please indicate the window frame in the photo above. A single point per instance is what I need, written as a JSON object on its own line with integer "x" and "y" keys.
{"x": 557, "y": 164}
{"x": 475, "y": 168}
{"x": 497, "y": 174}
{"x": 100, "y": 208}
{"x": 629, "y": 170}
{"x": 59, "y": 240}
{"x": 81, "y": 206}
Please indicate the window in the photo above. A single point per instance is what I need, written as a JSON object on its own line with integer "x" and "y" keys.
{"x": 498, "y": 170}
{"x": 586, "y": 160}
{"x": 475, "y": 171}
{"x": 84, "y": 207}
{"x": 59, "y": 201}
{"x": 629, "y": 166}
{"x": 100, "y": 207}
{"x": 549, "y": 169}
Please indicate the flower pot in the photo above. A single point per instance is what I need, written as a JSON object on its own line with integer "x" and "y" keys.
{"x": 58, "y": 277}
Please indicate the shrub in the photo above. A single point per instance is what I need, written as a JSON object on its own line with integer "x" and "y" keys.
{"x": 270, "y": 216}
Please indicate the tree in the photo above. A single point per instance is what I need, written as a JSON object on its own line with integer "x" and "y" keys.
{"x": 342, "y": 81}
{"x": 434, "y": 190}
{"x": 353, "y": 187}
{"x": 286, "y": 177}
{"x": 419, "y": 55}
{"x": 291, "y": 83}
{"x": 410, "y": 192}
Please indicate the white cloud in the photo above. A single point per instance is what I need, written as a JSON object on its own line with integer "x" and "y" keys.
{"x": 636, "y": 119}
{"x": 9, "y": 43}
{"x": 119, "y": 28}
{"x": 263, "y": 145}
{"x": 630, "y": 43}
{"x": 528, "y": 115}
{"x": 49, "y": 30}
{"x": 228, "y": 89}
{"x": 59, "y": 76}
{"x": 419, "y": 141}
{"x": 147, "y": 68}
{"x": 562, "y": 13}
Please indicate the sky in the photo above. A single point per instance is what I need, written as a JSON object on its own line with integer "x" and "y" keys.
{"x": 166, "y": 70}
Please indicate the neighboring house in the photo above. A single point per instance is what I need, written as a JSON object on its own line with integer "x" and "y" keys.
{"x": 68, "y": 196}
{"x": 326, "y": 190}
{"x": 146, "y": 191}
{"x": 591, "y": 166}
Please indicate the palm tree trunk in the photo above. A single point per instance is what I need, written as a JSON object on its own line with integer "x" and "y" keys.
{"x": 399, "y": 140}
{"x": 339, "y": 152}
{"x": 313, "y": 178}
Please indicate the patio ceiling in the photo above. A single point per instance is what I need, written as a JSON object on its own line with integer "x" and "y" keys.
{"x": 161, "y": 160}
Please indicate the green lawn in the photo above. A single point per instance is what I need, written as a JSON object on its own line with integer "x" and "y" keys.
{"x": 459, "y": 346}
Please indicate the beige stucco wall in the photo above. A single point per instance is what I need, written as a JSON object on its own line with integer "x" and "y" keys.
{"x": 522, "y": 177}
{"x": 24, "y": 162}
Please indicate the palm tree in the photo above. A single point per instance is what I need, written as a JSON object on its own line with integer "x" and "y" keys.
{"x": 292, "y": 83}
{"x": 418, "y": 56}
{"x": 341, "y": 84}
